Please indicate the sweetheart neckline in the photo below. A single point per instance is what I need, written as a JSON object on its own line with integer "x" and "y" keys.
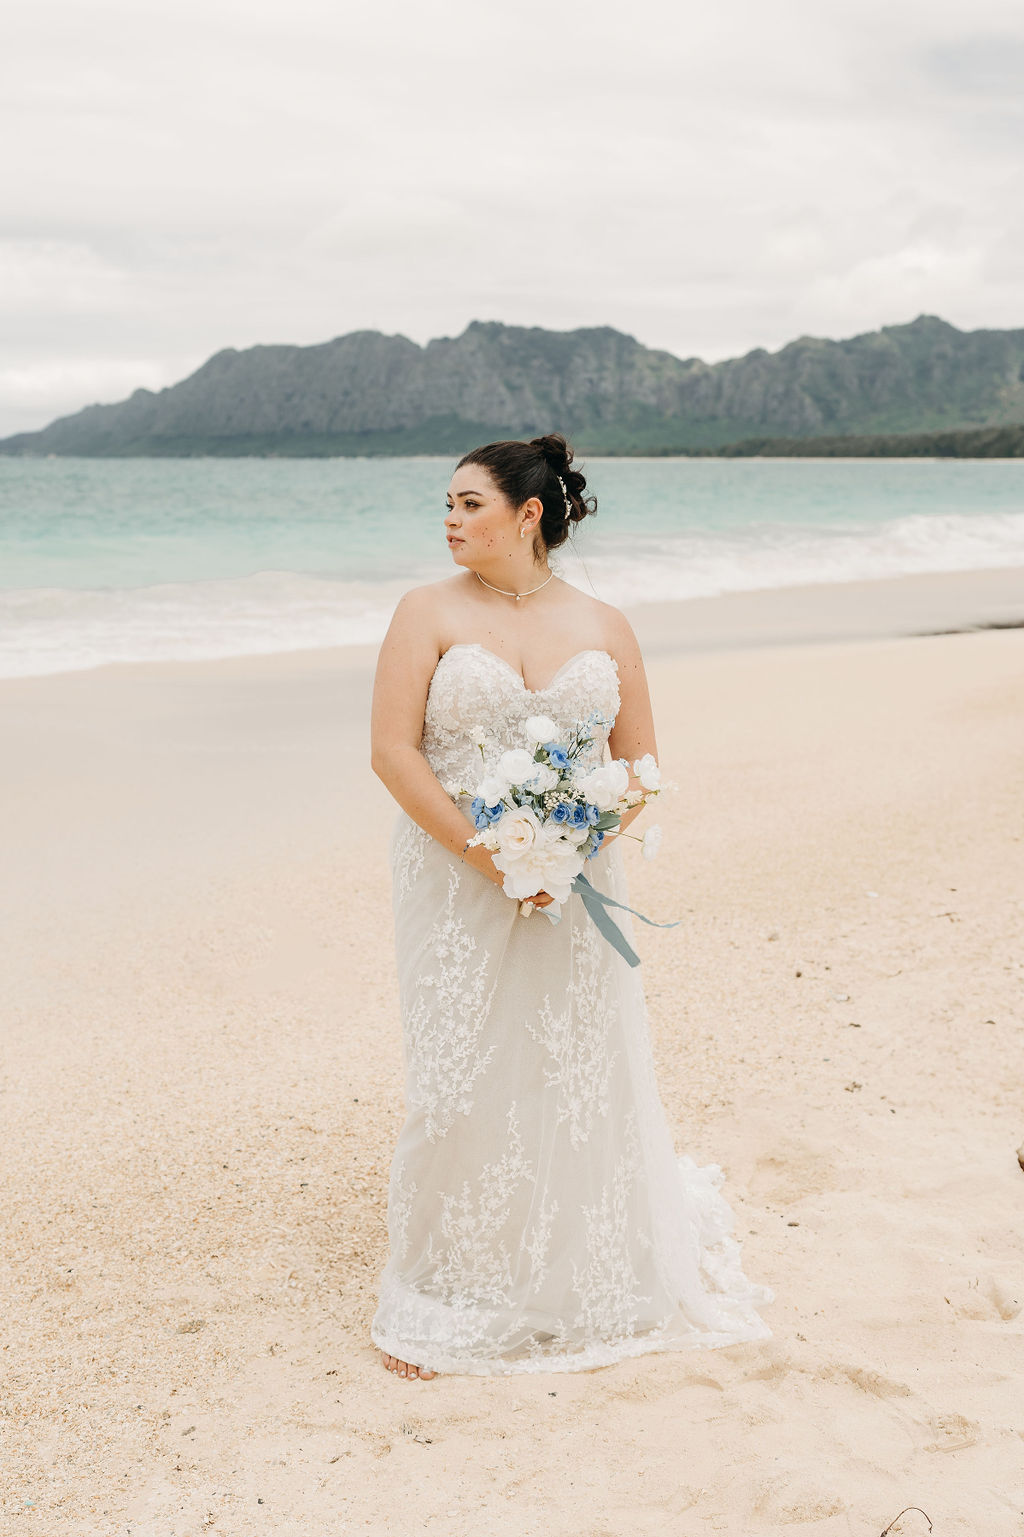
{"x": 475, "y": 645}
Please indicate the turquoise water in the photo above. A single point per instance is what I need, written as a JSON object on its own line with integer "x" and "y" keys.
{"x": 136, "y": 559}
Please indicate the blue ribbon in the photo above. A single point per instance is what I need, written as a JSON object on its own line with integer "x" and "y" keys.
{"x": 596, "y": 903}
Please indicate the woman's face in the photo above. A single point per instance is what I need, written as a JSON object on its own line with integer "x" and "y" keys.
{"x": 480, "y": 524}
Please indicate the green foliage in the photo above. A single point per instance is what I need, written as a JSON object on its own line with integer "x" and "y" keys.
{"x": 977, "y": 443}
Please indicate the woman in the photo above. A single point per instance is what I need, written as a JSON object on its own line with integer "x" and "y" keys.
{"x": 538, "y": 1217}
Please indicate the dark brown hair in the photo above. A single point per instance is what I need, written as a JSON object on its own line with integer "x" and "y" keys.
{"x": 521, "y": 470}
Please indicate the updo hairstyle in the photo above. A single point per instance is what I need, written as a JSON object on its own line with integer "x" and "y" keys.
{"x": 522, "y": 470}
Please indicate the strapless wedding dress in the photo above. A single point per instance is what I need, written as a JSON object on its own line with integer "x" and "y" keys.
{"x": 539, "y": 1218}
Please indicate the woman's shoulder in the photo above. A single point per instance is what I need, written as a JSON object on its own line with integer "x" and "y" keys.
{"x": 604, "y": 619}
{"x": 430, "y": 597}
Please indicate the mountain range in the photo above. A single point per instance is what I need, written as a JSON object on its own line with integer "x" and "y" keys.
{"x": 367, "y": 393}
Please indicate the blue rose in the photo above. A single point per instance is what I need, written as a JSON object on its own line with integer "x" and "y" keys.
{"x": 561, "y": 813}
{"x": 492, "y": 813}
{"x": 579, "y": 815}
{"x": 557, "y": 756}
{"x": 594, "y": 842}
{"x": 592, "y": 814}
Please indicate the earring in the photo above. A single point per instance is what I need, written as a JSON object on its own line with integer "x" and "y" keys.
{"x": 522, "y": 531}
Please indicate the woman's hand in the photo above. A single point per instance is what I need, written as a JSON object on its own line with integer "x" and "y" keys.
{"x": 482, "y": 860}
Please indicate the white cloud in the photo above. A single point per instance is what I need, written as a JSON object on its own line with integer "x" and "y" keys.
{"x": 40, "y": 276}
{"x": 199, "y": 175}
{"x": 57, "y": 387}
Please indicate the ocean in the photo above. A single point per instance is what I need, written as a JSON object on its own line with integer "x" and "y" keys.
{"x": 150, "y": 559}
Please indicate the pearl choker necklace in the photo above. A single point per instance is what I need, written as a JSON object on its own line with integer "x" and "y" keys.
{"x": 516, "y": 595}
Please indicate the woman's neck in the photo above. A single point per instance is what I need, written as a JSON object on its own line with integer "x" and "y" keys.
{"x": 514, "y": 576}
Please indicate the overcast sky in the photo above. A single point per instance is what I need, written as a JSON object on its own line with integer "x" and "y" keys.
{"x": 181, "y": 177}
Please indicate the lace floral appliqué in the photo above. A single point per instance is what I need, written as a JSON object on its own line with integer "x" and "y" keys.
{"x": 446, "y": 1020}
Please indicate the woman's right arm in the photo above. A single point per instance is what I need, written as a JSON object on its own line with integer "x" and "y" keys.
{"x": 405, "y": 665}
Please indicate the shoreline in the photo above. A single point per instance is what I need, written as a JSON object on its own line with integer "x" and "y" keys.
{"x": 921, "y": 604}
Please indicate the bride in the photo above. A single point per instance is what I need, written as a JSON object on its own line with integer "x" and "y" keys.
{"x": 539, "y": 1218}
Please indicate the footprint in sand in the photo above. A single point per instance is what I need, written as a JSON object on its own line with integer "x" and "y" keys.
{"x": 984, "y": 1298}
{"x": 955, "y": 1433}
{"x": 794, "y": 1169}
{"x": 868, "y": 1380}
{"x": 787, "y": 1500}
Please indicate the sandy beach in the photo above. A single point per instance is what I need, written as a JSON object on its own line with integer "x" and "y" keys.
{"x": 202, "y": 1088}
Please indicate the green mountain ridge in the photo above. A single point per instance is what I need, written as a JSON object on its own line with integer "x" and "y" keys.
{"x": 366, "y": 393}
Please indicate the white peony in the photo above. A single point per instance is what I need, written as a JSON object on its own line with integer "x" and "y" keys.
{"x": 647, "y": 771}
{"x": 541, "y": 728}
{"x": 492, "y": 789}
{"x": 605, "y": 786}
{"x": 651, "y": 842}
{"x": 516, "y": 765}
{"x": 551, "y": 865}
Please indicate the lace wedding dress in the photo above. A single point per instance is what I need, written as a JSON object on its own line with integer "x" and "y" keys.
{"x": 538, "y": 1216}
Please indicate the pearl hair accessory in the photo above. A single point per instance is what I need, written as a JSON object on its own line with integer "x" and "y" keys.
{"x": 565, "y": 498}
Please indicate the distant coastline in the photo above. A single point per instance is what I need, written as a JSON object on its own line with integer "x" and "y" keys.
{"x": 969, "y": 443}
{"x": 925, "y": 389}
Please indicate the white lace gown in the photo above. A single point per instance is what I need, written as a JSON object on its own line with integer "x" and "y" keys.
{"x": 539, "y": 1218}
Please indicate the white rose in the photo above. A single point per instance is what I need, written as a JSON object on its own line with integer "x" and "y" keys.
{"x": 647, "y": 771}
{"x": 492, "y": 789}
{"x": 517, "y": 833}
{"x": 605, "y": 786}
{"x": 541, "y": 728}
{"x": 651, "y": 842}
{"x": 516, "y": 765}
{"x": 543, "y": 778}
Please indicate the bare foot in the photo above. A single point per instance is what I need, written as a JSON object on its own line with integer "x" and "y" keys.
{"x": 404, "y": 1368}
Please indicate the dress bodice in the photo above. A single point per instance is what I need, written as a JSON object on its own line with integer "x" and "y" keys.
{"x": 477, "y": 698}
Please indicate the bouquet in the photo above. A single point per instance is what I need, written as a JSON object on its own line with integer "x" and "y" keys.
{"x": 543, "y": 814}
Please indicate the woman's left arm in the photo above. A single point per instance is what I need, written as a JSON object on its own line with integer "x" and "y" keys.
{"x": 633, "y": 732}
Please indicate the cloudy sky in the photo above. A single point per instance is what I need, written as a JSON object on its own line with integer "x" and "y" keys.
{"x": 180, "y": 177}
